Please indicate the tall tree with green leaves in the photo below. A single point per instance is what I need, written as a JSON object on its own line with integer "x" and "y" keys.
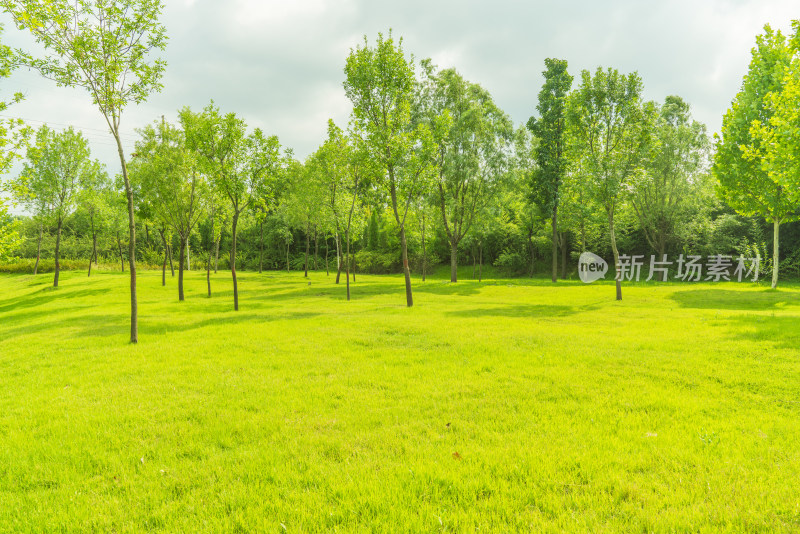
{"x": 57, "y": 167}
{"x": 169, "y": 175}
{"x": 551, "y": 149}
{"x": 380, "y": 82}
{"x": 755, "y": 160}
{"x": 663, "y": 195}
{"x": 240, "y": 166}
{"x": 104, "y": 47}
{"x": 612, "y": 128}
{"x": 472, "y": 135}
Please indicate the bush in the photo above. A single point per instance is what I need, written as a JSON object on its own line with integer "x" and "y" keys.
{"x": 371, "y": 262}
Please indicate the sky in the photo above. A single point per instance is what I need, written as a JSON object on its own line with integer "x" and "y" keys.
{"x": 279, "y": 63}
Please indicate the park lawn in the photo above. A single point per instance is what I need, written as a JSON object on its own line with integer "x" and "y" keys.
{"x": 506, "y": 405}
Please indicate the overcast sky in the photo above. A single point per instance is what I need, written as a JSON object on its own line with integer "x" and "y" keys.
{"x": 279, "y": 63}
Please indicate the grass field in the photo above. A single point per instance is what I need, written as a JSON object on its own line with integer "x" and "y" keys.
{"x": 502, "y": 406}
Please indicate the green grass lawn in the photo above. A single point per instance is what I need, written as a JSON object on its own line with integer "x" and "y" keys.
{"x": 507, "y": 405}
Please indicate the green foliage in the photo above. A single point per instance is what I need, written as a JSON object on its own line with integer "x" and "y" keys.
{"x": 666, "y": 195}
{"x": 550, "y": 130}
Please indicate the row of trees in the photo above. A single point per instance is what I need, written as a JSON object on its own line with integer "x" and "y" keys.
{"x": 426, "y": 153}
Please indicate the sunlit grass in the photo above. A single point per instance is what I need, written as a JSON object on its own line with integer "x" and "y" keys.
{"x": 507, "y": 405}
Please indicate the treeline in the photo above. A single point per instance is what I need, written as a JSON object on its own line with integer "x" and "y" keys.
{"x": 430, "y": 170}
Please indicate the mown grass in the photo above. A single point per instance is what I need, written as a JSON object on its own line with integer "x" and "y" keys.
{"x": 507, "y": 405}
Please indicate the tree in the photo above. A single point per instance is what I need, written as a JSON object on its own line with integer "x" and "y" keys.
{"x": 9, "y": 234}
{"x": 58, "y": 166}
{"x": 239, "y": 166}
{"x": 611, "y": 127}
{"x": 91, "y": 203}
{"x": 471, "y": 135}
{"x": 551, "y": 150}
{"x": 104, "y": 47}
{"x": 380, "y": 81}
{"x": 169, "y": 175}
{"x": 663, "y": 194}
{"x": 756, "y": 158}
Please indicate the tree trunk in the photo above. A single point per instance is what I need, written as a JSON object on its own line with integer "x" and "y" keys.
{"x": 121, "y": 258}
{"x": 554, "y": 223}
{"x": 208, "y": 267}
{"x": 327, "y": 253}
{"x": 188, "y": 256}
{"x": 164, "y": 266}
{"x": 38, "y": 250}
{"x": 94, "y": 247}
{"x": 132, "y": 240}
{"x": 288, "y": 244}
{"x": 338, "y": 258}
{"x": 775, "y": 252}
{"x": 308, "y": 248}
{"x": 661, "y": 254}
{"x": 424, "y": 259}
{"x": 453, "y": 262}
{"x": 316, "y": 248}
{"x": 216, "y": 254}
{"x": 347, "y": 261}
{"x": 480, "y": 262}
{"x": 169, "y": 252}
{"x": 406, "y": 270}
{"x": 58, "y": 250}
{"x": 616, "y": 254}
{"x": 233, "y": 259}
{"x": 183, "y": 248}
{"x": 261, "y": 251}
{"x": 563, "y": 255}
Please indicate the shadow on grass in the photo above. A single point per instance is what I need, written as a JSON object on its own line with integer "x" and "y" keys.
{"x": 522, "y": 310}
{"x": 726, "y": 299}
{"x": 780, "y": 332}
{"x": 47, "y": 295}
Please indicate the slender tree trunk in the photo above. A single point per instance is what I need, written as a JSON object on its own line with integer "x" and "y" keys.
{"x": 208, "y": 266}
{"x": 347, "y": 260}
{"x": 327, "y": 254}
{"x": 183, "y": 248}
{"x": 94, "y": 247}
{"x": 453, "y": 262}
{"x": 164, "y": 267}
{"x": 480, "y": 262}
{"x": 216, "y": 254}
{"x": 424, "y": 258}
{"x": 316, "y": 248}
{"x": 38, "y": 250}
{"x": 308, "y": 248}
{"x": 616, "y": 253}
{"x": 121, "y": 257}
{"x": 775, "y": 252}
{"x": 169, "y": 252}
{"x": 132, "y": 239}
{"x": 554, "y": 223}
{"x": 563, "y": 255}
{"x": 353, "y": 266}
{"x": 338, "y": 258}
{"x": 406, "y": 270}
{"x": 288, "y": 244}
{"x": 58, "y": 251}
{"x": 233, "y": 259}
{"x": 261, "y": 251}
